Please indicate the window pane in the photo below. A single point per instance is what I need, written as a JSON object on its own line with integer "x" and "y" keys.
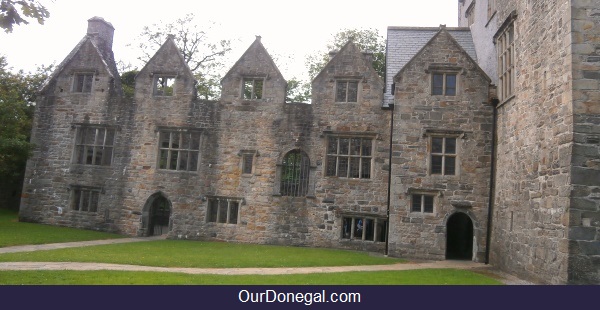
{"x": 436, "y": 164}
{"x": 163, "y": 159}
{"x": 354, "y": 167}
{"x": 416, "y": 203}
{"x": 98, "y": 157}
{"x": 450, "y": 146}
{"x": 110, "y": 137}
{"x": 223, "y": 211}
{"x": 428, "y": 205}
{"x": 381, "y": 230}
{"x": 76, "y": 199}
{"x": 247, "y": 163}
{"x": 193, "y": 161}
{"x": 437, "y": 145}
{"x": 89, "y": 156}
{"x": 93, "y": 201}
{"x": 195, "y": 136}
{"x": 212, "y": 210}
{"x": 164, "y": 139}
{"x": 358, "y": 228}
{"x": 340, "y": 95}
{"x": 450, "y": 165}
{"x": 258, "y": 89}
{"x": 233, "y": 212}
{"x": 352, "y": 92}
{"x": 365, "y": 172}
{"x": 438, "y": 84}
{"x": 80, "y": 154}
{"x": 366, "y": 147}
{"x": 344, "y": 146}
{"x": 343, "y": 167}
{"x": 346, "y": 227}
{"x": 183, "y": 160}
{"x": 247, "y": 89}
{"x": 107, "y": 156}
{"x": 450, "y": 84}
{"x": 175, "y": 136}
{"x": 369, "y": 229}
{"x": 331, "y": 161}
{"x": 90, "y": 135}
{"x": 173, "y": 162}
{"x": 332, "y": 146}
{"x": 355, "y": 146}
{"x": 85, "y": 200}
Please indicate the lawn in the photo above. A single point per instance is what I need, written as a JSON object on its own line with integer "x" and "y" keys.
{"x": 197, "y": 254}
{"x": 13, "y": 232}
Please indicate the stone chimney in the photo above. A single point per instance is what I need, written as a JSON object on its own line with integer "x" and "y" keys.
{"x": 101, "y": 33}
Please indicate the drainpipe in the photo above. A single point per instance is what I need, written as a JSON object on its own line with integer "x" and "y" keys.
{"x": 387, "y": 226}
{"x": 488, "y": 237}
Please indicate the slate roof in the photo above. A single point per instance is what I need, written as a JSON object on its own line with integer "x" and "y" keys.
{"x": 403, "y": 43}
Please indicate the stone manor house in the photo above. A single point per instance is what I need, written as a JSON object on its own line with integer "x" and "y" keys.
{"x": 481, "y": 142}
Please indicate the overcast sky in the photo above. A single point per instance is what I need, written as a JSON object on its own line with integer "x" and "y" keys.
{"x": 289, "y": 29}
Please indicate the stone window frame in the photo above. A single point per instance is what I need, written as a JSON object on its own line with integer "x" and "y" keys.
{"x": 491, "y": 9}
{"x": 251, "y": 94}
{"x": 83, "y": 81}
{"x": 431, "y": 134}
{"x": 170, "y": 149}
{"x": 79, "y": 195}
{"x": 470, "y": 14}
{"x": 248, "y": 161}
{"x": 156, "y": 82}
{"x": 348, "y": 232}
{"x": 444, "y": 89}
{"x": 346, "y": 81}
{"x": 423, "y": 193}
{"x": 81, "y": 148}
{"x": 504, "y": 39}
{"x": 338, "y": 136}
{"x": 230, "y": 207}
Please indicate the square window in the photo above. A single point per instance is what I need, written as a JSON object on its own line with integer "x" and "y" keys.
{"x": 364, "y": 228}
{"x": 443, "y": 84}
{"x": 223, "y": 210}
{"x": 346, "y": 91}
{"x": 94, "y": 145}
{"x": 82, "y": 82}
{"x": 179, "y": 150}
{"x": 253, "y": 88}
{"x": 422, "y": 203}
{"x": 349, "y": 157}
{"x": 443, "y": 156}
{"x": 84, "y": 199}
{"x": 164, "y": 86}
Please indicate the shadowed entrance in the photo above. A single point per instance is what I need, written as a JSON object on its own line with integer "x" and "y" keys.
{"x": 156, "y": 215}
{"x": 459, "y": 242}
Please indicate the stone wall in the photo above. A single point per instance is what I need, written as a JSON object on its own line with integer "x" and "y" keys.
{"x": 419, "y": 115}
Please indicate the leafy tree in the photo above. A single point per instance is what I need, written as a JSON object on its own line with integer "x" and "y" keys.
{"x": 18, "y": 93}
{"x": 10, "y": 15}
{"x": 368, "y": 40}
{"x": 297, "y": 91}
{"x": 203, "y": 55}
{"x": 128, "y": 83}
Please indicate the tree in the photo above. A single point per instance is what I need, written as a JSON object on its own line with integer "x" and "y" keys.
{"x": 18, "y": 92}
{"x": 203, "y": 55}
{"x": 367, "y": 40}
{"x": 128, "y": 83}
{"x": 10, "y": 15}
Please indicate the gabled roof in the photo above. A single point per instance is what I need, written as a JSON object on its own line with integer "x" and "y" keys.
{"x": 342, "y": 50}
{"x": 112, "y": 69}
{"x": 256, "y": 45}
{"x": 403, "y": 43}
{"x": 169, "y": 43}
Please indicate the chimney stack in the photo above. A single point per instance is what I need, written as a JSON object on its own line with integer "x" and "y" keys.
{"x": 101, "y": 33}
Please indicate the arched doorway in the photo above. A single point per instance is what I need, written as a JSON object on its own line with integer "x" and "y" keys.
{"x": 156, "y": 215}
{"x": 459, "y": 238}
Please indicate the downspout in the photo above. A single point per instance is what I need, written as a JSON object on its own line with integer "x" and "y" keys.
{"x": 488, "y": 238}
{"x": 389, "y": 183}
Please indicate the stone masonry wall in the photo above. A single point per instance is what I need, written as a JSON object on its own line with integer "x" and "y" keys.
{"x": 418, "y": 115}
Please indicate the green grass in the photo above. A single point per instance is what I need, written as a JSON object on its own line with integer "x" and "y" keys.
{"x": 13, "y": 232}
{"x": 408, "y": 277}
{"x": 198, "y": 254}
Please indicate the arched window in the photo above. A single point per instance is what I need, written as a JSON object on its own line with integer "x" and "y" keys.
{"x": 294, "y": 174}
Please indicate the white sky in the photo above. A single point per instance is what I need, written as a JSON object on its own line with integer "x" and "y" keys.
{"x": 290, "y": 30}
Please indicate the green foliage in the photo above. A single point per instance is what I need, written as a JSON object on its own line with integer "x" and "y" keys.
{"x": 10, "y": 15}
{"x": 203, "y": 55}
{"x": 128, "y": 83}
{"x": 14, "y": 233}
{"x": 297, "y": 91}
{"x": 408, "y": 277}
{"x": 18, "y": 93}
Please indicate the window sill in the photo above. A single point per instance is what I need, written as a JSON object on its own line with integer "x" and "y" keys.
{"x": 177, "y": 171}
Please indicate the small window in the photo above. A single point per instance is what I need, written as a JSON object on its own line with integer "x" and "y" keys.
{"x": 443, "y": 84}
{"x": 223, "y": 210}
{"x": 346, "y": 91}
{"x": 94, "y": 146}
{"x": 82, "y": 82}
{"x": 179, "y": 150}
{"x": 253, "y": 88}
{"x": 422, "y": 203}
{"x": 247, "y": 163}
{"x": 443, "y": 155}
{"x": 349, "y": 157}
{"x": 164, "y": 86}
{"x": 85, "y": 200}
{"x": 364, "y": 228}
